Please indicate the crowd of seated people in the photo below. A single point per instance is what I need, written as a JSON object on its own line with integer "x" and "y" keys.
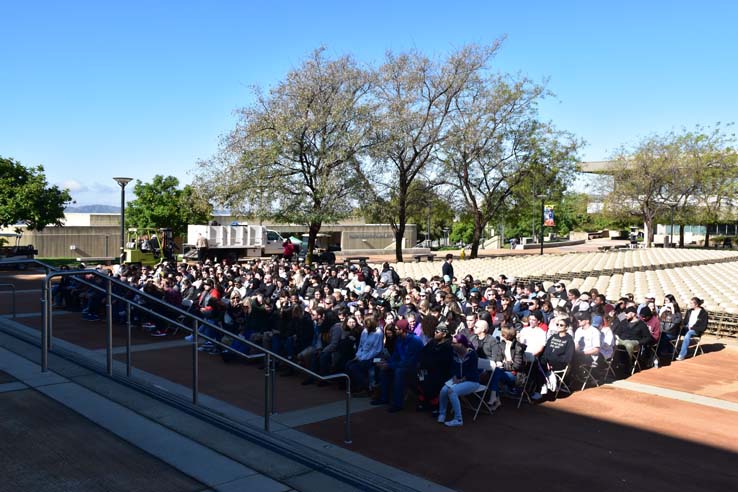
{"x": 393, "y": 336}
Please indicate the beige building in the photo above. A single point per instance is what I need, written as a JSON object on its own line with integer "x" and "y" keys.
{"x": 98, "y": 234}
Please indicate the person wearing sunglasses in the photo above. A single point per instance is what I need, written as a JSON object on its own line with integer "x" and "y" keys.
{"x": 434, "y": 366}
{"x": 557, "y": 354}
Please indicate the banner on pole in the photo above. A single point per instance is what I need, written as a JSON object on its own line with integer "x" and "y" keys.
{"x": 548, "y": 216}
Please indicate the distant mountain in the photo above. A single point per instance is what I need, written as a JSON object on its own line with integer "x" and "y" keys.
{"x": 93, "y": 209}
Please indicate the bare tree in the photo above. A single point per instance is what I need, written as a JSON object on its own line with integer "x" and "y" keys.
{"x": 294, "y": 154}
{"x": 496, "y": 144}
{"x": 415, "y": 96}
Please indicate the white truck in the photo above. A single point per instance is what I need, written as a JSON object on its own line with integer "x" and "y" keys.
{"x": 235, "y": 241}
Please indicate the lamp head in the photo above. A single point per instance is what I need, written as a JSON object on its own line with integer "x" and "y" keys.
{"x": 123, "y": 181}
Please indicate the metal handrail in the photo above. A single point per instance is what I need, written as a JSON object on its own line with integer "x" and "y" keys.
{"x": 271, "y": 357}
{"x": 12, "y": 289}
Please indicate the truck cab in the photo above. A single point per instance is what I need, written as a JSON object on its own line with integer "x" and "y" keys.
{"x": 16, "y": 251}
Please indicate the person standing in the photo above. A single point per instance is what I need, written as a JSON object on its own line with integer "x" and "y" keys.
{"x": 202, "y": 247}
{"x": 447, "y": 270}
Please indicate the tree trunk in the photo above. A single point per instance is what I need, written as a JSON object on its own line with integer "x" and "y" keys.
{"x": 707, "y": 236}
{"x": 313, "y": 230}
{"x": 681, "y": 235}
{"x": 399, "y": 233}
{"x": 402, "y": 216}
{"x": 649, "y": 233}
{"x": 477, "y": 235}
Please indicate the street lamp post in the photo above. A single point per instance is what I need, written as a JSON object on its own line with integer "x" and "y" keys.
{"x": 122, "y": 182}
{"x": 670, "y": 242}
{"x": 542, "y": 197}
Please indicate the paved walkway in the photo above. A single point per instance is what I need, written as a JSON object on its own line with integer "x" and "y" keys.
{"x": 46, "y": 446}
{"x": 245, "y": 458}
{"x": 634, "y": 437}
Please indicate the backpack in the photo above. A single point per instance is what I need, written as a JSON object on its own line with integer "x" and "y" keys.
{"x": 395, "y": 277}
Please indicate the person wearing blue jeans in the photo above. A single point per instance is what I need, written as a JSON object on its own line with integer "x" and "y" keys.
{"x": 465, "y": 380}
{"x": 400, "y": 369}
{"x": 695, "y": 321}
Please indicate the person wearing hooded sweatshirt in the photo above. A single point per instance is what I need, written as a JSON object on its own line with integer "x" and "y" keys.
{"x": 434, "y": 367}
{"x": 465, "y": 380}
{"x": 400, "y": 369}
{"x": 653, "y": 322}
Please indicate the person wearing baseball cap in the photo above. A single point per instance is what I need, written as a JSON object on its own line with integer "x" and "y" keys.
{"x": 631, "y": 332}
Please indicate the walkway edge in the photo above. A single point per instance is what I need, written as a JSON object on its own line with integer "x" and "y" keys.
{"x": 676, "y": 395}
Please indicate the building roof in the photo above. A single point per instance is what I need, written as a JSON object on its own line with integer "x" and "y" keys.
{"x": 596, "y": 167}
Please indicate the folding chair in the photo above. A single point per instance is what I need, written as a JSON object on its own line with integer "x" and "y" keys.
{"x": 675, "y": 346}
{"x": 587, "y": 369}
{"x": 609, "y": 370}
{"x": 652, "y": 352}
{"x": 532, "y": 363}
{"x": 633, "y": 358}
{"x": 481, "y": 392}
{"x": 695, "y": 341}
{"x": 560, "y": 383}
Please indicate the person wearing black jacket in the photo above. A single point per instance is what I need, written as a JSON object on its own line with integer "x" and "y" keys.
{"x": 434, "y": 367}
{"x": 557, "y": 354}
{"x": 631, "y": 332}
{"x": 506, "y": 370}
{"x": 559, "y": 349}
{"x": 695, "y": 321}
{"x": 487, "y": 346}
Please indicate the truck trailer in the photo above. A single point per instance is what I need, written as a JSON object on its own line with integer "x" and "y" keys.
{"x": 233, "y": 242}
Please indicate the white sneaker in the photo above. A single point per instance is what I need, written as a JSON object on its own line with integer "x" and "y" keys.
{"x": 552, "y": 382}
{"x": 189, "y": 338}
{"x": 544, "y": 390}
{"x": 441, "y": 418}
{"x": 454, "y": 423}
{"x": 535, "y": 396}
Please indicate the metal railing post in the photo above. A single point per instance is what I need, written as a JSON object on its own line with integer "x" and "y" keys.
{"x": 44, "y": 330}
{"x": 195, "y": 368}
{"x": 49, "y": 314}
{"x": 272, "y": 372}
{"x": 347, "y": 423}
{"x": 267, "y": 392}
{"x": 109, "y": 331}
{"x": 12, "y": 292}
{"x": 128, "y": 339}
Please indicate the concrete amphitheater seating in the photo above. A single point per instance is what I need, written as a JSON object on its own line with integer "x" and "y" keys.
{"x": 681, "y": 272}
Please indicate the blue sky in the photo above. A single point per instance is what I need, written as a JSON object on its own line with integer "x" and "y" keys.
{"x": 93, "y": 90}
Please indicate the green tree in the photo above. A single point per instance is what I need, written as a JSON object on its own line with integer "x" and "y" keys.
{"x": 462, "y": 230}
{"x": 571, "y": 215}
{"x": 294, "y": 155}
{"x": 692, "y": 171}
{"x": 26, "y": 198}
{"x": 162, "y": 203}
{"x": 423, "y": 201}
{"x": 711, "y": 161}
